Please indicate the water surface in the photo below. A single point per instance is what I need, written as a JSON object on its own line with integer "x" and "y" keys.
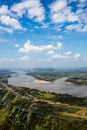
{"x": 20, "y": 79}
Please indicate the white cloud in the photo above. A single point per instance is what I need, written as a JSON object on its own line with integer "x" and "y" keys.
{"x": 59, "y": 56}
{"x": 66, "y": 56}
{"x": 16, "y": 45}
{"x": 7, "y": 20}
{"x": 33, "y": 9}
{"x": 25, "y": 58}
{"x": 84, "y": 29}
{"x": 50, "y": 52}
{"x": 29, "y": 47}
{"x": 81, "y": 25}
{"x": 70, "y": 1}
{"x": 77, "y": 55}
{"x": 9, "y": 30}
{"x": 12, "y": 22}
{"x": 77, "y": 27}
{"x": 60, "y": 45}
{"x": 82, "y": 3}
{"x": 57, "y": 37}
{"x": 68, "y": 53}
{"x": 45, "y": 25}
{"x": 4, "y": 10}
{"x": 61, "y": 12}
{"x": 58, "y": 5}
{"x": 5, "y": 60}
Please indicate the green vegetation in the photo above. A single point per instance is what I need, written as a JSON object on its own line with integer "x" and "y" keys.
{"x": 73, "y": 109}
{"x": 26, "y": 114}
{"x": 4, "y": 75}
{"x": 31, "y": 109}
{"x": 77, "y": 77}
{"x": 37, "y": 116}
{"x": 47, "y": 75}
{"x": 63, "y": 98}
{"x": 80, "y": 79}
{"x": 12, "y": 118}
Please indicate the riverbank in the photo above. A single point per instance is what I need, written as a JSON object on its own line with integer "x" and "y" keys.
{"x": 41, "y": 81}
{"x": 77, "y": 79}
{"x": 59, "y": 86}
{"x": 70, "y": 83}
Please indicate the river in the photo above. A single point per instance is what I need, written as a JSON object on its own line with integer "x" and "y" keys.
{"x": 20, "y": 79}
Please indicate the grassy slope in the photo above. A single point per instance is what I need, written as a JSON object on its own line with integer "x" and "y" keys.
{"x": 27, "y": 109}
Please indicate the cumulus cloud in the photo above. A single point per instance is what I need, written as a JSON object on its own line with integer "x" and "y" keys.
{"x": 10, "y": 17}
{"x": 81, "y": 25}
{"x": 60, "y": 45}
{"x": 82, "y": 3}
{"x": 4, "y": 10}
{"x": 66, "y": 56}
{"x": 7, "y": 20}
{"x": 61, "y": 12}
{"x": 29, "y": 47}
{"x": 77, "y": 27}
{"x": 59, "y": 56}
{"x": 33, "y": 9}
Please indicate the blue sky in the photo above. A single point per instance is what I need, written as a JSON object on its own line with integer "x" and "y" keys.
{"x": 43, "y": 33}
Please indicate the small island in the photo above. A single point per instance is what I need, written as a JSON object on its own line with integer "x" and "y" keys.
{"x": 49, "y": 75}
{"x": 73, "y": 77}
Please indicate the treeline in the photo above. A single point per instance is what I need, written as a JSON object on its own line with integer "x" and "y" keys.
{"x": 63, "y": 98}
{"x": 47, "y": 76}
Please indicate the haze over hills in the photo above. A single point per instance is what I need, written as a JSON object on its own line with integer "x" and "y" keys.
{"x": 42, "y": 69}
{"x": 58, "y": 69}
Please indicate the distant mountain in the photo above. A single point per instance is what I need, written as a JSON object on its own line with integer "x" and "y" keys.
{"x": 82, "y": 69}
{"x": 4, "y": 71}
